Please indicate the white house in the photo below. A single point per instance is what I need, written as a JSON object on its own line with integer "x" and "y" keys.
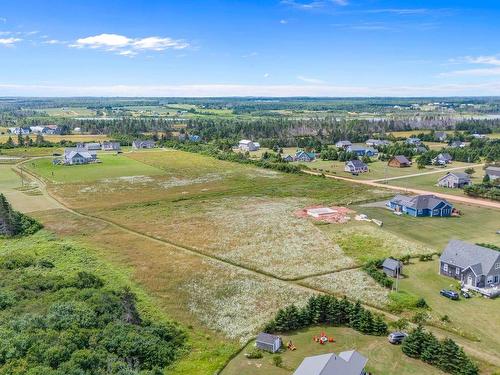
{"x": 73, "y": 156}
{"x": 355, "y": 166}
{"x": 343, "y": 144}
{"x": 248, "y": 145}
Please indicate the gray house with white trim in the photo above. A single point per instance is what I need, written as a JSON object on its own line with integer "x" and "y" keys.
{"x": 473, "y": 265}
{"x": 493, "y": 172}
{"x": 268, "y": 342}
{"x": 454, "y": 180}
{"x": 346, "y": 363}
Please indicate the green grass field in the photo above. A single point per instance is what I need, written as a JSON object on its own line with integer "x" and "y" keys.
{"x": 383, "y": 358}
{"x": 428, "y": 182}
{"x": 111, "y": 165}
{"x": 477, "y": 224}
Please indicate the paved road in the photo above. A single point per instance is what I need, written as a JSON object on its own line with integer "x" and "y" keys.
{"x": 425, "y": 173}
{"x": 450, "y": 197}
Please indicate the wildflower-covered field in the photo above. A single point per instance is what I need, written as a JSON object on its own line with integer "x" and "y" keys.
{"x": 355, "y": 284}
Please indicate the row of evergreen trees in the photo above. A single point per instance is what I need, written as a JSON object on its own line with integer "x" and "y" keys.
{"x": 14, "y": 223}
{"x": 326, "y": 309}
{"x": 445, "y": 354}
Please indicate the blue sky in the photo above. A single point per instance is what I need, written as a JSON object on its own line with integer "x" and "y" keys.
{"x": 262, "y": 48}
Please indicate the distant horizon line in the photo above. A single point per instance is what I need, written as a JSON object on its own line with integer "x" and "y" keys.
{"x": 3, "y": 97}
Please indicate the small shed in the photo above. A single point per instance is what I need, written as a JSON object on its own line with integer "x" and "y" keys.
{"x": 268, "y": 342}
{"x": 392, "y": 267}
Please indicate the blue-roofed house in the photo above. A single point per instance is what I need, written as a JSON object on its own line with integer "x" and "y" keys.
{"x": 302, "y": 155}
{"x": 194, "y": 138}
{"x": 362, "y": 150}
{"x": 421, "y": 205}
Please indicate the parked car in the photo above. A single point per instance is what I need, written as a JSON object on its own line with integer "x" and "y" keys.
{"x": 449, "y": 294}
{"x": 397, "y": 337}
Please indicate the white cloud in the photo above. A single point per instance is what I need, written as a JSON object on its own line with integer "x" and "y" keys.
{"x": 493, "y": 69}
{"x": 251, "y": 54}
{"x": 3, "y": 20}
{"x": 266, "y": 75}
{"x": 9, "y": 42}
{"x": 207, "y": 90}
{"x": 400, "y": 11}
{"x": 478, "y": 72}
{"x": 54, "y": 41}
{"x": 310, "y": 80}
{"x": 283, "y": 22}
{"x": 126, "y": 46}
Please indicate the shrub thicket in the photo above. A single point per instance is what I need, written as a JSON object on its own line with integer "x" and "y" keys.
{"x": 14, "y": 223}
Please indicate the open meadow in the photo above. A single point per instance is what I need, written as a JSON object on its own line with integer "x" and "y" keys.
{"x": 219, "y": 246}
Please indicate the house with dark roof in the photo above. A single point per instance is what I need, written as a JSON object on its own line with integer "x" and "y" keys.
{"x": 454, "y": 180}
{"x": 493, "y": 172}
{"x": 268, "y": 342}
{"x": 440, "y": 136}
{"x": 421, "y": 205}
{"x": 473, "y": 265}
{"x": 140, "y": 144}
{"x": 362, "y": 150}
{"x": 399, "y": 161}
{"x": 457, "y": 144}
{"x": 392, "y": 267}
{"x": 288, "y": 158}
{"x": 355, "y": 166}
{"x": 346, "y": 363}
{"x": 413, "y": 141}
{"x": 301, "y": 155}
{"x": 442, "y": 159}
{"x": 343, "y": 144}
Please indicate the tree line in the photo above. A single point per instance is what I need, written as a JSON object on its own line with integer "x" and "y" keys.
{"x": 327, "y": 309}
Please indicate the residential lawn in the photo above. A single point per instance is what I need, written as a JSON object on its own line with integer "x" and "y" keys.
{"x": 111, "y": 165}
{"x": 377, "y": 169}
{"x": 477, "y": 224}
{"x": 428, "y": 182}
{"x": 473, "y": 317}
{"x": 383, "y": 358}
